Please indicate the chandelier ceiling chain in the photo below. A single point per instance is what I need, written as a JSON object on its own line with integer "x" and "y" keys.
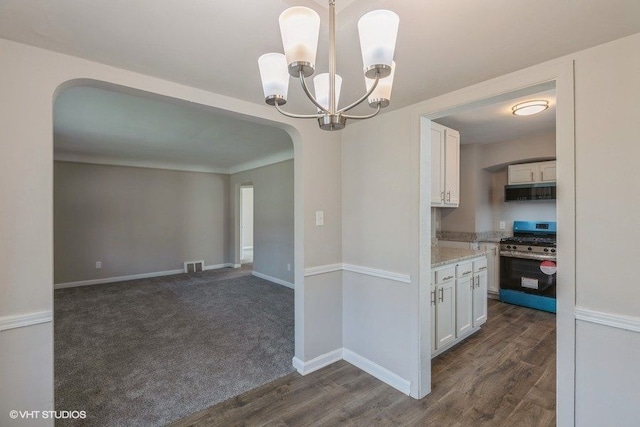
{"x": 299, "y": 28}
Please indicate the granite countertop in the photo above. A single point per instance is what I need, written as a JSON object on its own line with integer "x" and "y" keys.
{"x": 442, "y": 256}
{"x": 463, "y": 236}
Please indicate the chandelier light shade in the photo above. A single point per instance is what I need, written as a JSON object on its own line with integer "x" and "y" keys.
{"x": 382, "y": 93}
{"x": 275, "y": 77}
{"x": 530, "y": 107}
{"x": 300, "y": 28}
{"x": 378, "y": 32}
{"x": 321, "y": 86}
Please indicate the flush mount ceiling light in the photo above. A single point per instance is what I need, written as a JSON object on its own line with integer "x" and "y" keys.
{"x": 299, "y": 28}
{"x": 530, "y": 107}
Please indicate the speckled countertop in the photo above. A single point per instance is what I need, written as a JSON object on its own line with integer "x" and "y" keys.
{"x": 441, "y": 256}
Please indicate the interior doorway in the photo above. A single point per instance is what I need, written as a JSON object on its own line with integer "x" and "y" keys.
{"x": 246, "y": 224}
{"x": 474, "y": 96}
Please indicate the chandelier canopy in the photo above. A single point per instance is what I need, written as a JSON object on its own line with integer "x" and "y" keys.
{"x": 299, "y": 28}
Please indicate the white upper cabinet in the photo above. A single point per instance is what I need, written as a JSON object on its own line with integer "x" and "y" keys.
{"x": 531, "y": 173}
{"x": 445, "y": 166}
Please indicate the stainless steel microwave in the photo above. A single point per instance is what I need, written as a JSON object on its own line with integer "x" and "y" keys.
{"x": 540, "y": 191}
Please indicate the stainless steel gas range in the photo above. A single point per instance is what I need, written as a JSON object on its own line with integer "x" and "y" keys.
{"x": 528, "y": 265}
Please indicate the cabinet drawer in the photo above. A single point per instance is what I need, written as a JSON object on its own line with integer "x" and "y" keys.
{"x": 464, "y": 269}
{"x": 445, "y": 274}
{"x": 480, "y": 264}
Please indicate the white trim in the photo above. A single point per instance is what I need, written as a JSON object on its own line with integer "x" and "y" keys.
{"x": 265, "y": 161}
{"x": 59, "y": 156}
{"x": 322, "y": 269}
{"x": 116, "y": 279}
{"x": 273, "y": 279}
{"x": 389, "y": 275}
{"x": 619, "y": 321}
{"x": 247, "y": 248}
{"x": 235, "y": 265}
{"x": 22, "y": 320}
{"x": 217, "y": 266}
{"x": 377, "y": 371}
{"x": 316, "y": 363}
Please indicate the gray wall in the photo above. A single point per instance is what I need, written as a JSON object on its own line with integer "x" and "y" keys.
{"x": 136, "y": 220}
{"x": 273, "y": 226}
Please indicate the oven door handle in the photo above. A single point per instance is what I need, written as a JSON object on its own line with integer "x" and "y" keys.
{"x": 525, "y": 255}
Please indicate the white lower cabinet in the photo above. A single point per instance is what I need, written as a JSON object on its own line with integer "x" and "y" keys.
{"x": 493, "y": 268}
{"x": 458, "y": 302}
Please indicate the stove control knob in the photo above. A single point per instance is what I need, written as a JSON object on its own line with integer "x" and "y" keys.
{"x": 529, "y": 248}
{"x": 553, "y": 250}
{"x": 508, "y": 246}
{"x": 515, "y": 247}
{"x": 546, "y": 249}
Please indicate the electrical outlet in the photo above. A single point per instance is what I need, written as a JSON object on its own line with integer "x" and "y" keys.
{"x": 288, "y": 267}
{"x": 98, "y": 264}
{"x": 503, "y": 225}
{"x": 319, "y": 218}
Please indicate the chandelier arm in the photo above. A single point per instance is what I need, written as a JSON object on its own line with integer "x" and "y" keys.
{"x": 365, "y": 96}
{"x": 347, "y": 116}
{"x": 310, "y": 96}
{"x": 297, "y": 116}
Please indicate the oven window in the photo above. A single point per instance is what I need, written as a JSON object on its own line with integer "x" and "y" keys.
{"x": 526, "y": 275}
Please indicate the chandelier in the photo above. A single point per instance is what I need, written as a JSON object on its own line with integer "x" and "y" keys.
{"x": 299, "y": 28}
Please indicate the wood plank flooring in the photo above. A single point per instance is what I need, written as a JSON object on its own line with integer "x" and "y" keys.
{"x": 503, "y": 375}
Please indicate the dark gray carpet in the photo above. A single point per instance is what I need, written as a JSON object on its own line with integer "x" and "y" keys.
{"x": 149, "y": 352}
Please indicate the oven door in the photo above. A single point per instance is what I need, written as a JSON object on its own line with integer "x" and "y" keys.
{"x": 533, "y": 276}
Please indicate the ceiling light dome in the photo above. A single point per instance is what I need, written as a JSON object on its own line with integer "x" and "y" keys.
{"x": 530, "y": 107}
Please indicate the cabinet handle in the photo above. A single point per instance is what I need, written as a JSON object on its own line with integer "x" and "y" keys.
{"x": 482, "y": 268}
{"x": 541, "y": 176}
{"x": 433, "y": 297}
{"x": 532, "y": 178}
{"x": 449, "y": 196}
{"x": 447, "y": 278}
{"x": 442, "y": 196}
{"x": 466, "y": 272}
{"x": 441, "y": 295}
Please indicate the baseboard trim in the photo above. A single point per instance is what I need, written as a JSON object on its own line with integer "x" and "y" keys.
{"x": 316, "y": 363}
{"x": 322, "y": 269}
{"x": 377, "y": 371}
{"x": 619, "y": 321}
{"x": 22, "y": 320}
{"x": 217, "y": 266}
{"x": 117, "y": 279}
{"x": 389, "y": 275}
{"x": 273, "y": 279}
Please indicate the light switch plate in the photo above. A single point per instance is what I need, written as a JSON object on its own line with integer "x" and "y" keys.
{"x": 98, "y": 264}
{"x": 503, "y": 225}
{"x": 319, "y": 218}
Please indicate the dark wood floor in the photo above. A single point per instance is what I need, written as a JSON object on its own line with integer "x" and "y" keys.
{"x": 502, "y": 376}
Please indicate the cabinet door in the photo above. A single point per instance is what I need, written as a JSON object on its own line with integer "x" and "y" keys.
{"x": 437, "y": 164}
{"x": 493, "y": 268}
{"x": 480, "y": 298}
{"x": 433, "y": 319}
{"x": 547, "y": 171}
{"x": 523, "y": 174}
{"x": 445, "y": 314}
{"x": 464, "y": 292}
{"x": 452, "y": 168}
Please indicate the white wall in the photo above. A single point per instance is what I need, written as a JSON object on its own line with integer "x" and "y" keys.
{"x": 607, "y": 82}
{"x": 31, "y": 79}
{"x": 377, "y": 222}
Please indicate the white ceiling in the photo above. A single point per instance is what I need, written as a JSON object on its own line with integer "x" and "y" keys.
{"x": 495, "y": 121}
{"x": 100, "y": 126}
{"x": 442, "y": 46}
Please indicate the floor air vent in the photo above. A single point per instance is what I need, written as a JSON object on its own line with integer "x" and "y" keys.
{"x": 193, "y": 266}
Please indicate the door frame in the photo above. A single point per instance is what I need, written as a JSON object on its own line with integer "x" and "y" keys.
{"x": 562, "y": 73}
